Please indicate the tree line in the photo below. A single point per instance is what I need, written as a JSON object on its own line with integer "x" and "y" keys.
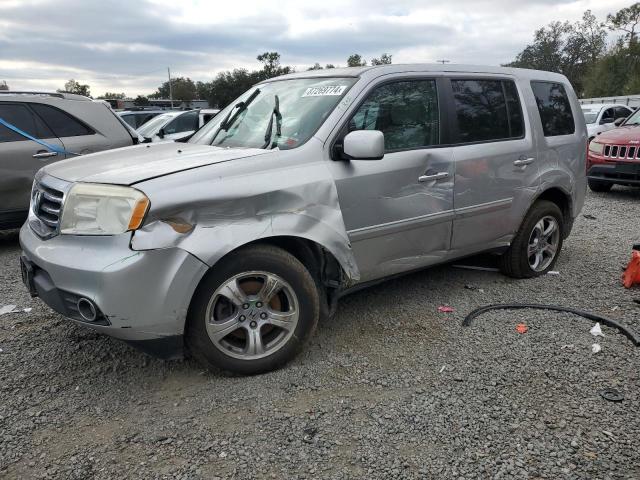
{"x": 226, "y": 86}
{"x": 580, "y": 52}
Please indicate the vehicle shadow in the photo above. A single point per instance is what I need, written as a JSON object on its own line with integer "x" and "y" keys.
{"x": 9, "y": 238}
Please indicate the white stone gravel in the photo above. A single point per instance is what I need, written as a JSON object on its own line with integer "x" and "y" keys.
{"x": 369, "y": 398}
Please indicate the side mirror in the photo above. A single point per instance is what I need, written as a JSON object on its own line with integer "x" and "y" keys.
{"x": 605, "y": 121}
{"x": 161, "y": 133}
{"x": 619, "y": 121}
{"x": 363, "y": 145}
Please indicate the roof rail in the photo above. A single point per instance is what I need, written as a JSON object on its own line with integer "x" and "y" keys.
{"x": 14, "y": 92}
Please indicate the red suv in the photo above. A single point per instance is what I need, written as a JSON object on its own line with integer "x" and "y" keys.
{"x": 614, "y": 156}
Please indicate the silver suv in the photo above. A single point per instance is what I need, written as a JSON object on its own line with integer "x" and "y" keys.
{"x": 66, "y": 125}
{"x": 236, "y": 243}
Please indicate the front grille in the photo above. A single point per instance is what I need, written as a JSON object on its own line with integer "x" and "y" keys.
{"x": 622, "y": 152}
{"x": 46, "y": 205}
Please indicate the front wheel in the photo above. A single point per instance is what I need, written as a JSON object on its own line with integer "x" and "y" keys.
{"x": 599, "y": 186}
{"x": 253, "y": 311}
{"x": 535, "y": 248}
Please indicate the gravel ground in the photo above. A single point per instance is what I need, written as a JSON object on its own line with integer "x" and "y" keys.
{"x": 389, "y": 388}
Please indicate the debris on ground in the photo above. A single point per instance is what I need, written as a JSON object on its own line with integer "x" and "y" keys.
{"x": 445, "y": 309}
{"x": 553, "y": 272}
{"x": 611, "y": 395}
{"x": 631, "y": 275}
{"x": 7, "y": 309}
{"x": 595, "y": 348}
{"x": 589, "y": 217}
{"x": 442, "y": 369}
{"x": 522, "y": 328}
{"x": 596, "y": 330}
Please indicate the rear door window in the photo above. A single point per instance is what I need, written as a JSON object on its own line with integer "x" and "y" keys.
{"x": 406, "y": 112}
{"x": 62, "y": 124}
{"x": 22, "y": 118}
{"x": 487, "y": 110}
{"x": 554, "y": 108}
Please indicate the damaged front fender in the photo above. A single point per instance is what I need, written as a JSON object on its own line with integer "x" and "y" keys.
{"x": 212, "y": 211}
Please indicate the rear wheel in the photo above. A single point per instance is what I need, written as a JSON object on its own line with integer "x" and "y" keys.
{"x": 253, "y": 311}
{"x": 599, "y": 186}
{"x": 535, "y": 248}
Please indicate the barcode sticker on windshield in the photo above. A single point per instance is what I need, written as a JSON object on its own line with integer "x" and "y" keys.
{"x": 322, "y": 91}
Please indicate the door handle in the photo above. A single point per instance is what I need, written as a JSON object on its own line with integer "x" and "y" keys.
{"x": 521, "y": 162}
{"x": 431, "y": 178}
{"x": 44, "y": 154}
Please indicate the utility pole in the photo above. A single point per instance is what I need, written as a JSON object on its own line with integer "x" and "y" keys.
{"x": 170, "y": 88}
{"x": 443, "y": 61}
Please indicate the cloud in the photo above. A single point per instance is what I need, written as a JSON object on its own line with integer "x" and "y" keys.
{"x": 126, "y": 45}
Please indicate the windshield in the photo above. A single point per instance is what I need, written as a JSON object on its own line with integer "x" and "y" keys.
{"x": 634, "y": 119}
{"x": 590, "y": 116}
{"x": 282, "y": 114}
{"x": 150, "y": 128}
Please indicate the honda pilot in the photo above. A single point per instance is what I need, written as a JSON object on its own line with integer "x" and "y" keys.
{"x": 234, "y": 245}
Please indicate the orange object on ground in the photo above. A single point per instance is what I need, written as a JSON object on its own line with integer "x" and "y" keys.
{"x": 631, "y": 274}
{"x": 522, "y": 328}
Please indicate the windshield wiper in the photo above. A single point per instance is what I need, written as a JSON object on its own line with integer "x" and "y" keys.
{"x": 229, "y": 120}
{"x": 278, "y": 115}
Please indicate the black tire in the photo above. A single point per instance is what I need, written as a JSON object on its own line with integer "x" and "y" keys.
{"x": 265, "y": 258}
{"x": 515, "y": 262}
{"x": 599, "y": 186}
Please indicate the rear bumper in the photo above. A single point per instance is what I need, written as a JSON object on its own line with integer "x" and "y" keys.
{"x": 140, "y": 297}
{"x": 627, "y": 173}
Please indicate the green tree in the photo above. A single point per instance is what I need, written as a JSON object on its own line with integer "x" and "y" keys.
{"x": 271, "y": 66}
{"x": 385, "y": 59}
{"x": 626, "y": 20}
{"x": 141, "y": 101}
{"x": 74, "y": 87}
{"x": 562, "y": 47}
{"x": 356, "y": 60}
{"x": 316, "y": 66}
{"x": 329, "y": 65}
{"x": 113, "y": 96}
{"x": 183, "y": 89}
{"x": 4, "y": 86}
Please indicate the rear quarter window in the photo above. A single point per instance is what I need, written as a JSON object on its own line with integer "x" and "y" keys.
{"x": 62, "y": 124}
{"x": 554, "y": 108}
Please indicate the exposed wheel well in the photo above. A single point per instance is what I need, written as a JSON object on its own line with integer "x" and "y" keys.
{"x": 563, "y": 201}
{"x": 321, "y": 263}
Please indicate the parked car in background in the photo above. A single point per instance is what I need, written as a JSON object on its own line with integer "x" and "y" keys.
{"x": 71, "y": 124}
{"x": 614, "y": 156}
{"x": 137, "y": 118}
{"x": 237, "y": 242}
{"x": 601, "y": 117}
{"x": 176, "y": 125}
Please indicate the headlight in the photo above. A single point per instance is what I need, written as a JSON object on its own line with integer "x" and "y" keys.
{"x": 94, "y": 209}
{"x": 596, "y": 147}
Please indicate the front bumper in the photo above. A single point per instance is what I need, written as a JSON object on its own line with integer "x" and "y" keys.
{"x": 625, "y": 173}
{"x": 142, "y": 297}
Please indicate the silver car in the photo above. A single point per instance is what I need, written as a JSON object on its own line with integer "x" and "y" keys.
{"x": 234, "y": 245}
{"x": 176, "y": 125}
{"x": 603, "y": 117}
{"x": 66, "y": 125}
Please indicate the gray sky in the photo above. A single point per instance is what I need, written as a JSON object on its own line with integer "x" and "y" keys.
{"x": 126, "y": 45}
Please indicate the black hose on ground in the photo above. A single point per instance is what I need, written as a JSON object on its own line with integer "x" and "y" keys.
{"x": 519, "y": 306}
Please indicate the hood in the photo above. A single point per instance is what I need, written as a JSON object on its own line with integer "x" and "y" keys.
{"x": 129, "y": 165}
{"x": 620, "y": 135}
